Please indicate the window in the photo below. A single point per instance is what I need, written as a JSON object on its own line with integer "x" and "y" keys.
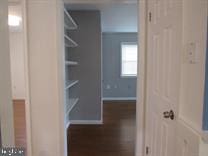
{"x": 128, "y": 59}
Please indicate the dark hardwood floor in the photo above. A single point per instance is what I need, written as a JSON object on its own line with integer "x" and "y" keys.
{"x": 116, "y": 137}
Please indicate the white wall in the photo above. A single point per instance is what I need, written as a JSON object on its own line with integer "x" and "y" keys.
{"x": 192, "y": 78}
{"x": 193, "y": 75}
{"x": 17, "y": 56}
{"x": 17, "y": 65}
{"x": 46, "y": 77}
{"x": 6, "y": 109}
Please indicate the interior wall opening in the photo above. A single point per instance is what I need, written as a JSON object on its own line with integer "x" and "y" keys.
{"x": 103, "y": 122}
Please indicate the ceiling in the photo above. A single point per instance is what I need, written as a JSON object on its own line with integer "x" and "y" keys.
{"x": 99, "y": 1}
{"x": 116, "y": 15}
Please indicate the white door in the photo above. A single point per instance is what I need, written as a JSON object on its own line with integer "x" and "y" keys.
{"x": 163, "y": 75}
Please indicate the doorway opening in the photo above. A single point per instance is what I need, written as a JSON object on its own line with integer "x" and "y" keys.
{"x": 103, "y": 122}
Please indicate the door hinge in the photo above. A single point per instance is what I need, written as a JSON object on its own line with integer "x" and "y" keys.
{"x": 147, "y": 150}
{"x": 150, "y": 16}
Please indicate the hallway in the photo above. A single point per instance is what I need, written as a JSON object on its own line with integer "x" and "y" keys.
{"x": 116, "y": 137}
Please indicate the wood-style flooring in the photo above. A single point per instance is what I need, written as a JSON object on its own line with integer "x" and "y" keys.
{"x": 116, "y": 137}
{"x": 19, "y": 123}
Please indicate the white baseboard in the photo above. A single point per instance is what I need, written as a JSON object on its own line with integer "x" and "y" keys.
{"x": 118, "y": 98}
{"x": 86, "y": 122}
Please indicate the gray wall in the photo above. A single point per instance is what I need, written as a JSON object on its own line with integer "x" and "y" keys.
{"x": 88, "y": 72}
{"x": 113, "y": 84}
{"x": 205, "y": 115}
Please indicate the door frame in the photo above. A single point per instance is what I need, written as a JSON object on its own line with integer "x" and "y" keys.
{"x": 141, "y": 78}
{"x": 23, "y": 4}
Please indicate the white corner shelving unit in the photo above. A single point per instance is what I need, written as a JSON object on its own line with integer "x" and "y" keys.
{"x": 71, "y": 83}
{"x": 69, "y": 42}
{"x": 71, "y": 101}
{"x": 71, "y": 63}
{"x": 69, "y": 22}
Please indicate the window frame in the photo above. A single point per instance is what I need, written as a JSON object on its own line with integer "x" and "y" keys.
{"x": 121, "y": 62}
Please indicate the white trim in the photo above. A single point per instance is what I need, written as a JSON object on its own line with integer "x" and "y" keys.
{"x": 118, "y": 98}
{"x": 86, "y": 122}
{"x": 129, "y": 77}
{"x": 101, "y": 74}
{"x": 27, "y": 86}
{"x": 61, "y": 79}
{"x": 141, "y": 79}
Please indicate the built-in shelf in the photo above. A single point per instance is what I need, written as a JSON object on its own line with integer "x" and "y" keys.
{"x": 67, "y": 125}
{"x": 69, "y": 42}
{"x": 71, "y": 103}
{"x": 71, "y": 83}
{"x": 71, "y": 63}
{"x": 70, "y": 24}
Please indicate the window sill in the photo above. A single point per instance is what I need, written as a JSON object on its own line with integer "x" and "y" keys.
{"x": 129, "y": 77}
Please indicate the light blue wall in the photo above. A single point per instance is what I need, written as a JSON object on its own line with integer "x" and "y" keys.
{"x": 113, "y": 84}
{"x": 205, "y": 120}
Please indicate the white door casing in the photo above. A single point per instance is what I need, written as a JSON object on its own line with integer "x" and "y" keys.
{"x": 163, "y": 75}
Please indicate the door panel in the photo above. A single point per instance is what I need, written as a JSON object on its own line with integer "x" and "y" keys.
{"x": 163, "y": 75}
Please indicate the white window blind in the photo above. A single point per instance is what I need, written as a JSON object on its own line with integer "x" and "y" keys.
{"x": 128, "y": 59}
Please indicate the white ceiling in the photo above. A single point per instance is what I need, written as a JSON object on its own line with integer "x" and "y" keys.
{"x": 116, "y": 15}
{"x": 99, "y": 1}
